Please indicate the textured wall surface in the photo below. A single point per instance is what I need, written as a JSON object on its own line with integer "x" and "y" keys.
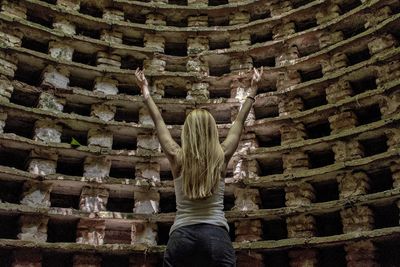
{"x": 315, "y": 180}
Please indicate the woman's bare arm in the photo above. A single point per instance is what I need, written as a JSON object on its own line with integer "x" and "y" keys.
{"x": 231, "y": 142}
{"x": 168, "y": 144}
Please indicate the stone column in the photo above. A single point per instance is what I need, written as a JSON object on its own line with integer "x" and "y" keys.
{"x": 64, "y": 26}
{"x": 327, "y": 14}
{"x": 292, "y": 132}
{"x": 283, "y": 29}
{"x": 42, "y": 162}
{"x": 86, "y": 260}
{"x": 380, "y": 43}
{"x": 90, "y": 232}
{"x": 195, "y": 64}
{"x": 33, "y": 228}
{"x": 237, "y": 18}
{"x": 198, "y": 91}
{"x": 197, "y": 44}
{"x": 8, "y": 64}
{"x": 395, "y": 169}
{"x": 198, "y": 21}
{"x": 361, "y": 254}
{"x": 278, "y": 7}
{"x": 103, "y": 112}
{"x": 142, "y": 261}
{"x": 295, "y": 160}
{"x": 6, "y": 88}
{"x": 154, "y": 41}
{"x": 347, "y": 150}
{"x": 156, "y": 19}
{"x": 50, "y": 102}
{"x": 60, "y": 50}
{"x": 144, "y": 233}
{"x": 36, "y": 194}
{"x": 352, "y": 184}
{"x": 328, "y": 38}
{"x": 288, "y": 56}
{"x": 287, "y": 79}
{"x": 146, "y": 202}
{"x": 377, "y": 16}
{"x": 147, "y": 172}
{"x": 290, "y": 105}
{"x": 336, "y": 61}
{"x": 47, "y": 131}
{"x": 390, "y": 105}
{"x": 357, "y": 219}
{"x": 388, "y": 72}
{"x": 11, "y": 37}
{"x": 240, "y": 169}
{"x": 239, "y": 91}
{"x": 338, "y": 91}
{"x": 93, "y": 199}
{"x": 240, "y": 40}
{"x": 100, "y": 138}
{"x": 113, "y": 14}
{"x": 69, "y": 5}
{"x": 26, "y": 258}
{"x": 299, "y": 194}
{"x": 3, "y": 118}
{"x": 303, "y": 258}
{"x": 96, "y": 168}
{"x": 147, "y": 144}
{"x": 55, "y": 78}
{"x": 13, "y": 9}
{"x": 241, "y": 63}
{"x": 155, "y": 64}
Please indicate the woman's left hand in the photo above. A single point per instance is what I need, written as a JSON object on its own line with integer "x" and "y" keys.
{"x": 256, "y": 76}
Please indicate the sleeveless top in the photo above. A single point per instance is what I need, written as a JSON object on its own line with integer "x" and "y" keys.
{"x": 194, "y": 211}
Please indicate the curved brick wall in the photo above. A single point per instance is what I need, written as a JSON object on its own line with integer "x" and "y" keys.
{"x": 316, "y": 178}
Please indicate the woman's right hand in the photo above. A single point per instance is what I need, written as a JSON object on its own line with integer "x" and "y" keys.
{"x": 142, "y": 82}
{"x": 254, "y": 80}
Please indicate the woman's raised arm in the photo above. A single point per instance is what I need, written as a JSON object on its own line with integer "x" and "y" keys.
{"x": 168, "y": 144}
{"x": 231, "y": 142}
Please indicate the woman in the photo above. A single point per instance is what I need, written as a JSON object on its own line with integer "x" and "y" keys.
{"x": 199, "y": 235}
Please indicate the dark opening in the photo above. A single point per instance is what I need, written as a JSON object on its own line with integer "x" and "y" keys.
{"x": 305, "y": 24}
{"x": 80, "y": 82}
{"x": 126, "y": 115}
{"x": 13, "y": 158}
{"x": 229, "y": 202}
{"x": 264, "y": 62}
{"x": 223, "y": 93}
{"x": 6, "y": 257}
{"x": 256, "y": 16}
{"x": 40, "y": 18}
{"x": 374, "y": 146}
{"x": 19, "y": 126}
{"x": 91, "y": 11}
{"x": 163, "y": 233}
{"x": 135, "y": 17}
{"x": 347, "y": 6}
{"x": 315, "y": 101}
{"x": 318, "y": 130}
{"x": 319, "y": 159}
{"x": 124, "y": 142}
{"x": 174, "y": 92}
{"x": 53, "y": 2}
{"x": 28, "y": 74}
{"x": 64, "y": 201}
{"x": 217, "y": 2}
{"x": 326, "y": 191}
{"x": 68, "y": 135}
{"x": 77, "y": 108}
{"x": 266, "y": 88}
{"x": 274, "y": 166}
{"x": 269, "y": 140}
{"x": 219, "y": 45}
{"x": 329, "y": 224}
{"x": 167, "y": 203}
{"x": 59, "y": 230}
{"x": 368, "y": 114}
{"x": 9, "y": 226}
{"x": 115, "y": 260}
{"x": 388, "y": 252}
{"x": 219, "y": 70}
{"x": 274, "y": 230}
{"x": 178, "y": 2}
{"x": 177, "y": 23}
{"x": 309, "y": 75}
{"x": 87, "y": 59}
{"x": 73, "y": 167}
{"x": 272, "y": 198}
{"x": 51, "y": 259}
{"x": 358, "y": 57}
{"x": 175, "y": 49}
{"x": 332, "y": 257}
{"x": 92, "y": 33}
{"x": 122, "y": 172}
{"x": 353, "y": 30}
{"x": 132, "y": 41}
{"x": 299, "y": 3}
{"x": 35, "y": 45}
{"x": 120, "y": 204}
{"x": 276, "y": 259}
{"x": 128, "y": 89}
{"x": 262, "y": 112}
{"x": 261, "y": 38}
{"x": 24, "y": 99}
{"x": 363, "y": 85}
{"x": 386, "y": 216}
{"x": 131, "y": 63}
{"x": 380, "y": 180}
{"x": 10, "y": 191}
{"x": 166, "y": 175}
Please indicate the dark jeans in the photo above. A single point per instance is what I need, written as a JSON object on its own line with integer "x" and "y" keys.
{"x": 202, "y": 245}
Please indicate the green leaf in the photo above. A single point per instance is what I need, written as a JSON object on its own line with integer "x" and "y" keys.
{"x": 75, "y": 142}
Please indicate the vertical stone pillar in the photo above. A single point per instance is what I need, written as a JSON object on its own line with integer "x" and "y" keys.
{"x": 142, "y": 261}
{"x": 147, "y": 144}
{"x": 93, "y": 199}
{"x": 26, "y": 258}
{"x": 144, "y": 233}
{"x": 111, "y": 36}
{"x": 86, "y": 260}
{"x": 395, "y": 169}
{"x": 91, "y": 232}
{"x": 303, "y": 258}
{"x": 327, "y": 14}
{"x": 357, "y": 219}
{"x": 352, "y": 184}
{"x": 8, "y": 64}
{"x": 238, "y": 17}
{"x": 47, "y": 131}
{"x": 156, "y": 19}
{"x": 338, "y": 91}
{"x": 113, "y": 14}
{"x": 197, "y": 44}
{"x": 290, "y": 105}
{"x": 287, "y": 79}
{"x": 283, "y": 29}
{"x": 36, "y": 194}
{"x": 377, "y": 16}
{"x": 328, "y": 38}
{"x": 55, "y": 77}
{"x": 241, "y": 63}
{"x": 347, "y": 150}
{"x": 33, "y": 228}
{"x": 6, "y": 88}
{"x": 241, "y": 165}
{"x": 335, "y": 62}
{"x": 11, "y": 37}
{"x": 13, "y": 9}
{"x": 240, "y": 40}
{"x": 292, "y": 132}
{"x": 239, "y": 91}
{"x": 361, "y": 254}
{"x": 3, "y": 118}
{"x": 146, "y": 202}
{"x": 295, "y": 160}
{"x": 198, "y": 91}
{"x": 278, "y": 7}
{"x": 70, "y": 5}
{"x": 103, "y": 112}
{"x": 155, "y": 64}
{"x": 195, "y": 64}
{"x": 64, "y": 26}
{"x": 198, "y": 21}
{"x": 380, "y": 43}
{"x": 42, "y": 162}
{"x": 50, "y": 102}
{"x": 342, "y": 121}
{"x": 100, "y": 137}
{"x": 299, "y": 194}
{"x": 106, "y": 85}
{"x": 147, "y": 172}
{"x": 61, "y": 51}
{"x": 154, "y": 41}
{"x": 288, "y": 56}
{"x": 96, "y": 167}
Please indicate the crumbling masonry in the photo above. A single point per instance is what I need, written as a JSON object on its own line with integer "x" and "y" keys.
{"x": 315, "y": 180}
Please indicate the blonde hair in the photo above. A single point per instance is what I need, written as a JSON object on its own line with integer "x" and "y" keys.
{"x": 201, "y": 155}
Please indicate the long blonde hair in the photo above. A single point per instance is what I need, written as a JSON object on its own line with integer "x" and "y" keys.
{"x": 201, "y": 155}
